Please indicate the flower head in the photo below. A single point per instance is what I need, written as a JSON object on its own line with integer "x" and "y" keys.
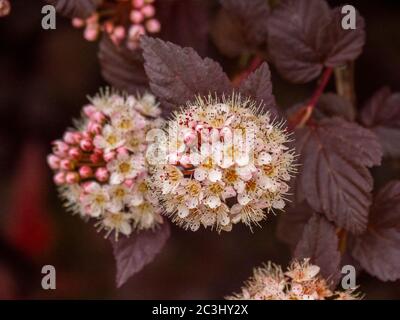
{"x": 99, "y": 172}
{"x": 301, "y": 282}
{"x": 225, "y": 162}
{"x": 122, "y": 20}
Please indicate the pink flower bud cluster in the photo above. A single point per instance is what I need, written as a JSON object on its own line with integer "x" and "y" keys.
{"x": 122, "y": 20}
{"x": 300, "y": 282}
{"x": 100, "y": 166}
{"x": 5, "y": 8}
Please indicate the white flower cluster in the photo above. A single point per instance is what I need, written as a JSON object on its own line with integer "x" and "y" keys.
{"x": 301, "y": 282}
{"x": 101, "y": 167}
{"x": 226, "y": 163}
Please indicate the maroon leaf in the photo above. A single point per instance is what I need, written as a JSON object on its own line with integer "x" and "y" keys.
{"x": 75, "y": 8}
{"x": 334, "y": 177}
{"x": 185, "y": 23}
{"x": 378, "y": 249}
{"x": 382, "y": 115}
{"x": 121, "y": 67}
{"x": 259, "y": 87}
{"x": 241, "y": 26}
{"x": 291, "y": 223}
{"x": 319, "y": 242}
{"x": 331, "y": 104}
{"x": 134, "y": 252}
{"x": 305, "y": 35}
{"x": 178, "y": 74}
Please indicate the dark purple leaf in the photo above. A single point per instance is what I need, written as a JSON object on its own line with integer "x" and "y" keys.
{"x": 319, "y": 242}
{"x": 121, "y": 67}
{"x": 382, "y": 115}
{"x": 334, "y": 177}
{"x": 259, "y": 87}
{"x": 241, "y": 26}
{"x": 75, "y": 8}
{"x": 378, "y": 249}
{"x": 291, "y": 223}
{"x": 185, "y": 23}
{"x": 306, "y": 35}
{"x": 178, "y": 74}
{"x": 134, "y": 252}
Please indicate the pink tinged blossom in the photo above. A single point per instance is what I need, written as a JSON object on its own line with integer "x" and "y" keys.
{"x": 136, "y": 16}
{"x": 53, "y": 161}
{"x": 59, "y": 178}
{"x": 119, "y": 32}
{"x": 60, "y": 148}
{"x": 95, "y": 158}
{"x": 148, "y": 11}
{"x": 78, "y": 23}
{"x": 69, "y": 137}
{"x": 89, "y": 109}
{"x": 153, "y": 26}
{"x": 108, "y": 156}
{"x": 90, "y": 33}
{"x": 94, "y": 128}
{"x": 85, "y": 172}
{"x": 135, "y": 32}
{"x": 66, "y": 164}
{"x": 75, "y": 153}
{"x": 102, "y": 174}
{"x": 72, "y": 177}
{"x": 98, "y": 117}
{"x": 86, "y": 145}
{"x": 138, "y": 3}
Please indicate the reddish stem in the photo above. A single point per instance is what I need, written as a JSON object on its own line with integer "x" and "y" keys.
{"x": 302, "y": 116}
{"x": 254, "y": 64}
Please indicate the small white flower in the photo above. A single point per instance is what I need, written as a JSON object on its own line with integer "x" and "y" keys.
{"x": 124, "y": 167}
{"x": 109, "y": 139}
{"x": 95, "y": 199}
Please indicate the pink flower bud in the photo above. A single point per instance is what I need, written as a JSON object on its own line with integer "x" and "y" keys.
{"x": 135, "y": 32}
{"x": 123, "y": 150}
{"x": 148, "y": 11}
{"x": 137, "y": 3}
{"x": 109, "y": 156}
{"x": 136, "y": 16}
{"x": 72, "y": 177}
{"x": 78, "y": 23}
{"x": 119, "y": 32}
{"x": 109, "y": 27}
{"x": 89, "y": 109}
{"x": 98, "y": 117}
{"x": 53, "y": 161}
{"x": 87, "y": 186}
{"x": 59, "y": 178}
{"x": 86, "y": 135}
{"x": 90, "y": 33}
{"x": 85, "y": 172}
{"x": 77, "y": 137}
{"x": 153, "y": 26}
{"x": 75, "y": 153}
{"x": 60, "y": 148}
{"x": 66, "y": 164}
{"x": 86, "y": 145}
{"x": 94, "y": 128}
{"x": 102, "y": 174}
{"x": 95, "y": 158}
{"x": 69, "y": 137}
{"x": 129, "y": 182}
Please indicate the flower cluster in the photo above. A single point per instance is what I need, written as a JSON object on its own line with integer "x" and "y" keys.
{"x": 101, "y": 168}
{"x": 300, "y": 282}
{"x": 225, "y": 162}
{"x": 121, "y": 20}
{"x": 5, "y": 8}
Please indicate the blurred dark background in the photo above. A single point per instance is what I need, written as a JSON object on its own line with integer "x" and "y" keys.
{"x": 45, "y": 77}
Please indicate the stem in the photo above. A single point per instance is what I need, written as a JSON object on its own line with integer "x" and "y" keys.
{"x": 344, "y": 77}
{"x": 342, "y": 235}
{"x": 301, "y": 118}
{"x": 254, "y": 64}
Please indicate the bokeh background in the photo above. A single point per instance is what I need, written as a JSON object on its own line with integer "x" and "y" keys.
{"x": 45, "y": 77}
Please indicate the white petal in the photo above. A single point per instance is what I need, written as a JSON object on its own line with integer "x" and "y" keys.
{"x": 200, "y": 174}
{"x": 264, "y": 158}
{"x": 116, "y": 178}
{"x": 192, "y": 203}
{"x": 213, "y": 202}
{"x": 183, "y": 211}
{"x": 278, "y": 204}
{"x": 243, "y": 199}
{"x": 136, "y": 199}
{"x": 125, "y": 228}
{"x": 214, "y": 175}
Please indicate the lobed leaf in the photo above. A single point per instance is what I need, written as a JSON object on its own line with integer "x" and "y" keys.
{"x": 306, "y": 35}
{"x": 335, "y": 155}
{"x": 378, "y": 249}
{"x": 134, "y": 252}
{"x": 121, "y": 67}
{"x": 382, "y": 115}
{"x": 319, "y": 242}
{"x": 178, "y": 74}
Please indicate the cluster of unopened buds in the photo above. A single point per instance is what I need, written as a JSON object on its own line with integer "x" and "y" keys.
{"x": 225, "y": 162}
{"x": 300, "y": 282}
{"x": 100, "y": 167}
{"x": 122, "y": 20}
{"x": 5, "y": 8}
